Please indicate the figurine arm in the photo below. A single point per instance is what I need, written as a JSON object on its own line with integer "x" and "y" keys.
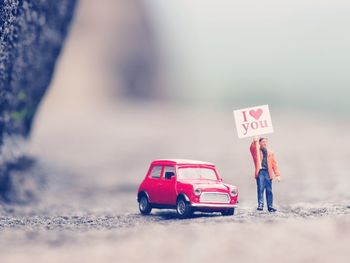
{"x": 253, "y": 150}
{"x": 275, "y": 166}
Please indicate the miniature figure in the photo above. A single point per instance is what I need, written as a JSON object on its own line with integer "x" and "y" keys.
{"x": 187, "y": 186}
{"x": 266, "y": 170}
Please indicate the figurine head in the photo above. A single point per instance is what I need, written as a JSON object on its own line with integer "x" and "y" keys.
{"x": 263, "y": 142}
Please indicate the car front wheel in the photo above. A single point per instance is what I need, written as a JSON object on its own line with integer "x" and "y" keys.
{"x": 183, "y": 208}
{"x": 228, "y": 212}
{"x": 144, "y": 205}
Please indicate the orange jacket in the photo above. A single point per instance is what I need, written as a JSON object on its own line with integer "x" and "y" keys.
{"x": 271, "y": 162}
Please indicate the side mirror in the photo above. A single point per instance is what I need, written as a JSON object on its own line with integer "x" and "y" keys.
{"x": 221, "y": 179}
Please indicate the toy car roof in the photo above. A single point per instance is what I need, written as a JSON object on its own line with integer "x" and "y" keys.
{"x": 181, "y": 161}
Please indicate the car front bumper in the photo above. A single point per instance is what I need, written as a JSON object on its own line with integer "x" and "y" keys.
{"x": 207, "y": 205}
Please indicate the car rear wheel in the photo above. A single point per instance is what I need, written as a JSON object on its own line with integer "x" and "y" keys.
{"x": 228, "y": 212}
{"x": 144, "y": 205}
{"x": 183, "y": 208}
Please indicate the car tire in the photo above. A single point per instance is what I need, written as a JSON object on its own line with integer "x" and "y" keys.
{"x": 144, "y": 205}
{"x": 183, "y": 208}
{"x": 228, "y": 212}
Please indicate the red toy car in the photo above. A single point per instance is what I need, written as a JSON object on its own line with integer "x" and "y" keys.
{"x": 187, "y": 186}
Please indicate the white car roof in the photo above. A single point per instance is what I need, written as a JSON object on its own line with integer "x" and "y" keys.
{"x": 183, "y": 161}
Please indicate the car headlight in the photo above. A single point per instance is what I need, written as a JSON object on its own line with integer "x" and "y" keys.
{"x": 197, "y": 191}
{"x": 233, "y": 191}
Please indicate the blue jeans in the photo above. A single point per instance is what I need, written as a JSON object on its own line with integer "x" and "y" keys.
{"x": 264, "y": 183}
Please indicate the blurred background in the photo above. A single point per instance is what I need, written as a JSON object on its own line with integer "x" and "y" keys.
{"x": 292, "y": 54}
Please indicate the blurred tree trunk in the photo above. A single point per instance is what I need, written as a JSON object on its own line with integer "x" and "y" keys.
{"x": 32, "y": 33}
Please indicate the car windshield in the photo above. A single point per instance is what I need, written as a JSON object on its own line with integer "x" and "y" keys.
{"x": 196, "y": 173}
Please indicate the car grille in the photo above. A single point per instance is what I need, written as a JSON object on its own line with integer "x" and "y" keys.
{"x": 214, "y": 198}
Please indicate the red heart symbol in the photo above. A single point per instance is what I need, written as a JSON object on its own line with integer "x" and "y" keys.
{"x": 256, "y": 113}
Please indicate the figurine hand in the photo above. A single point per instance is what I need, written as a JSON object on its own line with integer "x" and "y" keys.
{"x": 278, "y": 178}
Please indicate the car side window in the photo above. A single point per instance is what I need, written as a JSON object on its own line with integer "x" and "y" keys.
{"x": 169, "y": 172}
{"x": 156, "y": 170}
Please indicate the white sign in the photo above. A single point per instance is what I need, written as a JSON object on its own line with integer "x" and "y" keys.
{"x": 253, "y": 121}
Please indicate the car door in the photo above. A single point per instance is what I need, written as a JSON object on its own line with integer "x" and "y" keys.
{"x": 154, "y": 180}
{"x": 167, "y": 193}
